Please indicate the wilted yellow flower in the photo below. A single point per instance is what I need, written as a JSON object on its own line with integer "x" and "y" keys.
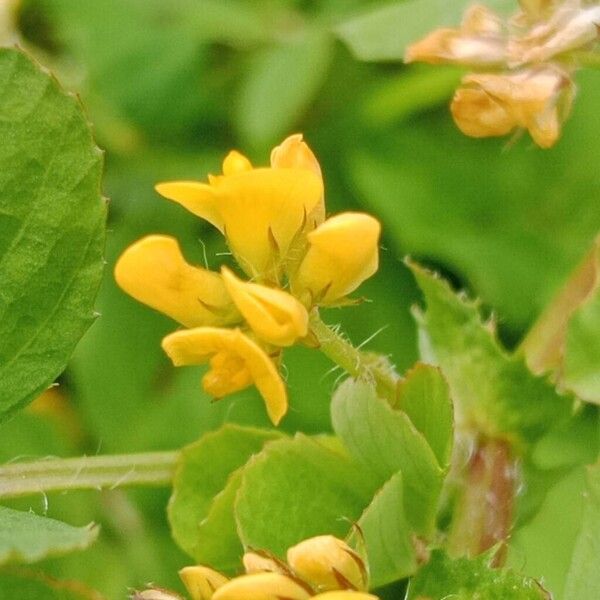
{"x": 202, "y": 582}
{"x": 328, "y": 563}
{"x": 154, "y": 272}
{"x": 235, "y": 360}
{"x": 342, "y": 253}
{"x": 263, "y": 586}
{"x": 572, "y": 25}
{"x": 480, "y": 41}
{"x": 532, "y": 92}
{"x": 261, "y": 211}
{"x": 274, "y": 315}
{"x": 536, "y": 100}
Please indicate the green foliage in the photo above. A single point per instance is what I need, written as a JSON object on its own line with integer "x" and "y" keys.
{"x": 26, "y": 537}
{"x": 467, "y": 579}
{"x": 297, "y": 488}
{"x": 582, "y": 580}
{"x": 201, "y": 507}
{"x": 385, "y": 441}
{"x": 23, "y": 585}
{"x": 51, "y": 228}
{"x": 496, "y": 392}
{"x": 387, "y": 535}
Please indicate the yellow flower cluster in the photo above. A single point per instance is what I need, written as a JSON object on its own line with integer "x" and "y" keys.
{"x": 273, "y": 219}
{"x": 322, "y": 567}
{"x": 527, "y": 64}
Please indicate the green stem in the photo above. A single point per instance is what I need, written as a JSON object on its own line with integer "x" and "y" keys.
{"x": 355, "y": 362}
{"x": 87, "y": 472}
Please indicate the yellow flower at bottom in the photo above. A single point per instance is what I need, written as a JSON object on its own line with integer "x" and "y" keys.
{"x": 494, "y": 104}
{"x": 345, "y": 595}
{"x": 202, "y": 582}
{"x": 274, "y": 315}
{"x": 235, "y": 360}
{"x": 343, "y": 252}
{"x": 262, "y": 586}
{"x": 328, "y": 563}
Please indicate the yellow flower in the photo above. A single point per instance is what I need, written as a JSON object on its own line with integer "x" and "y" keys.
{"x": 342, "y": 253}
{"x": 154, "y": 272}
{"x": 202, "y": 582}
{"x": 263, "y": 212}
{"x": 480, "y": 41}
{"x": 536, "y": 100}
{"x": 274, "y": 315}
{"x": 235, "y": 360}
{"x": 263, "y": 586}
{"x": 345, "y": 595}
{"x": 328, "y": 563}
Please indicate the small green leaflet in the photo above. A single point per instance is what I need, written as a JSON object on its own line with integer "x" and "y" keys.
{"x": 52, "y": 220}
{"x": 468, "y": 579}
{"x": 26, "y": 537}
{"x": 204, "y": 488}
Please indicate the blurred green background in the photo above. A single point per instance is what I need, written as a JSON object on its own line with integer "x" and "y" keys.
{"x": 170, "y": 87}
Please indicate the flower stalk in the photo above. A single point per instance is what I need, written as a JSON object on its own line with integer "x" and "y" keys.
{"x": 87, "y": 472}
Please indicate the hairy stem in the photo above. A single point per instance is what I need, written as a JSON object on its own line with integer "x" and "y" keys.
{"x": 87, "y": 472}
{"x": 483, "y": 515}
{"x": 355, "y": 362}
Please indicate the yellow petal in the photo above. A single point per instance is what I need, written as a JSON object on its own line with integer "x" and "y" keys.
{"x": 198, "y": 198}
{"x": 235, "y": 162}
{"x": 230, "y": 347}
{"x": 154, "y": 272}
{"x": 274, "y": 315}
{"x": 328, "y": 563}
{"x": 201, "y": 582}
{"x": 264, "y": 210}
{"x": 293, "y": 152}
{"x": 343, "y": 252}
{"x": 262, "y": 586}
{"x": 259, "y": 562}
{"x": 345, "y": 595}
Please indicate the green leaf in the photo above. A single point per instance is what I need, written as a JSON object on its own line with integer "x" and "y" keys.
{"x": 424, "y": 396}
{"x": 387, "y": 535}
{"x": 203, "y": 492}
{"x": 582, "y": 578}
{"x": 384, "y": 33}
{"x": 467, "y": 579}
{"x": 25, "y": 585}
{"x": 51, "y": 228}
{"x": 26, "y": 537}
{"x": 280, "y": 84}
{"x": 385, "y": 441}
{"x": 495, "y": 392}
{"x": 298, "y": 488}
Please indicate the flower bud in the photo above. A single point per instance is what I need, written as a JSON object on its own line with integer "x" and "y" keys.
{"x": 328, "y": 563}
{"x": 155, "y": 594}
{"x": 342, "y": 253}
{"x": 202, "y": 582}
{"x": 263, "y": 586}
